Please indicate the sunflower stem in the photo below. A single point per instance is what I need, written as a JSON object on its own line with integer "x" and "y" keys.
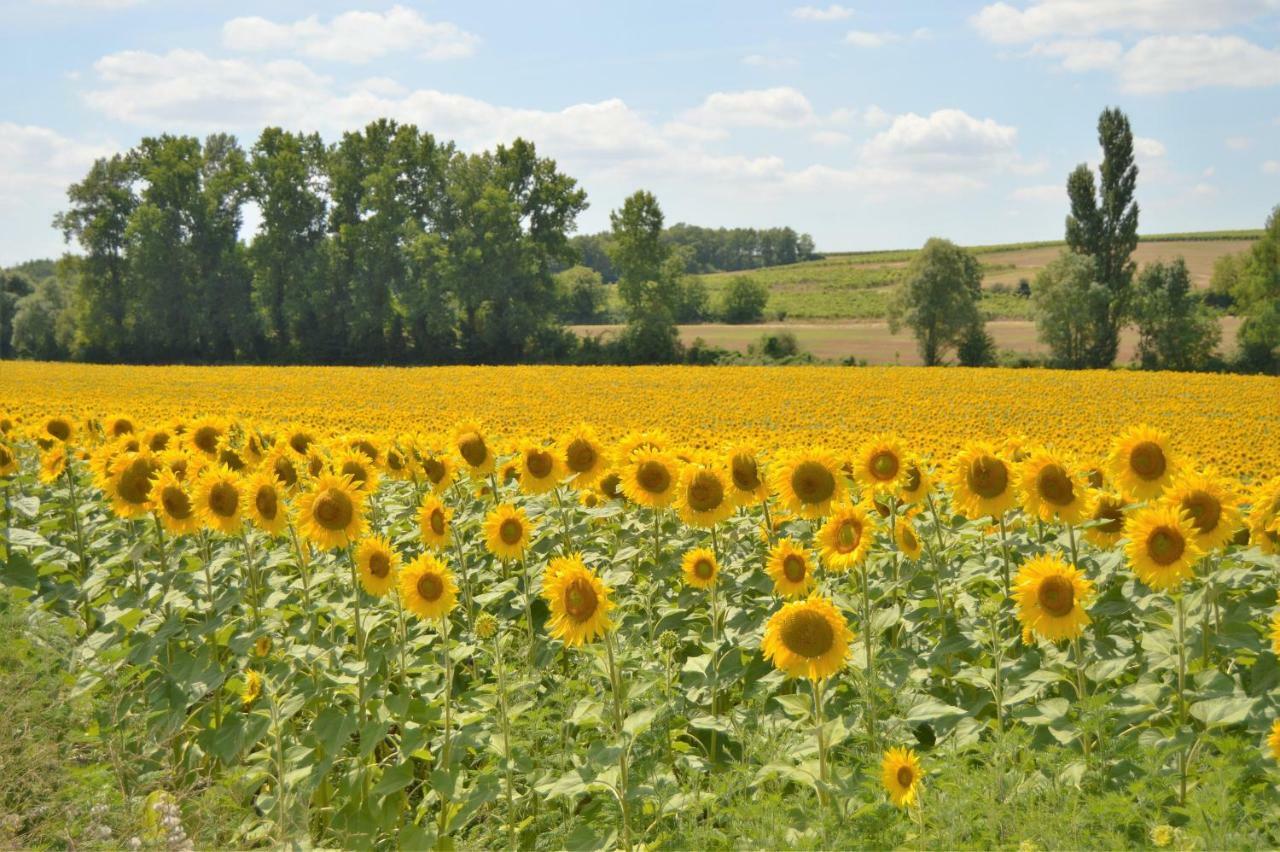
{"x": 819, "y": 731}
{"x": 445, "y": 758}
{"x": 252, "y": 577}
{"x": 937, "y": 558}
{"x": 84, "y": 564}
{"x": 359, "y": 625}
{"x": 868, "y": 646}
{"x": 768, "y": 519}
{"x": 404, "y": 641}
{"x": 1182, "y": 692}
{"x": 564, "y": 522}
{"x": 213, "y": 623}
{"x": 616, "y": 682}
{"x": 715, "y": 658}
{"x": 1082, "y": 691}
{"x": 528, "y": 606}
{"x": 506, "y": 736}
{"x": 1004, "y": 552}
{"x": 305, "y": 570}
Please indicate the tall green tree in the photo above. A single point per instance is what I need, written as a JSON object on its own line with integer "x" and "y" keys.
{"x": 1176, "y": 330}
{"x": 1067, "y": 298}
{"x": 1255, "y": 286}
{"x": 1103, "y": 224}
{"x": 14, "y": 286}
{"x": 938, "y": 298}
{"x": 638, "y": 251}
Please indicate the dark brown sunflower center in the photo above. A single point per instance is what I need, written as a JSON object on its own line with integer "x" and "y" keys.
{"x": 6, "y": 457}
{"x": 430, "y": 587}
{"x": 988, "y": 477}
{"x": 379, "y": 564}
{"x": 1095, "y": 477}
{"x": 224, "y": 498}
{"x": 333, "y": 509}
{"x": 510, "y": 531}
{"x": 300, "y": 442}
{"x": 267, "y": 502}
{"x": 912, "y": 481}
{"x": 1204, "y": 509}
{"x": 609, "y": 485}
{"x": 366, "y": 449}
{"x": 285, "y": 471}
{"x": 1056, "y": 595}
{"x": 437, "y": 521}
{"x": 158, "y": 441}
{"x": 909, "y": 539}
{"x": 905, "y": 776}
{"x": 1055, "y": 485}
{"x": 703, "y": 569}
{"x": 580, "y": 455}
{"x": 1111, "y": 512}
{"x": 120, "y": 427}
{"x": 176, "y": 503}
{"x": 231, "y": 459}
{"x": 58, "y": 428}
{"x": 315, "y": 464}
{"x": 706, "y": 492}
{"x": 807, "y": 633}
{"x": 812, "y": 482}
{"x": 884, "y": 465}
{"x": 206, "y": 438}
{"x": 538, "y": 463}
{"x": 434, "y": 469}
{"x": 473, "y": 448}
{"x": 793, "y": 567}
{"x": 1148, "y": 461}
{"x": 1165, "y": 545}
{"x": 135, "y": 481}
{"x": 848, "y": 535}
{"x": 395, "y": 461}
{"x": 746, "y": 473}
{"x": 354, "y": 469}
{"x": 653, "y": 477}
{"x": 580, "y": 600}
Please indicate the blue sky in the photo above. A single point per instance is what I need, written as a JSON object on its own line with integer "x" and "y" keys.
{"x": 869, "y": 125}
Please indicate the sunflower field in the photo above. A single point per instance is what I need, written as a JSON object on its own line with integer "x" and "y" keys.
{"x": 555, "y": 608}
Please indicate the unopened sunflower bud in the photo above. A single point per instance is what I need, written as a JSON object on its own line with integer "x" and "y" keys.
{"x": 486, "y": 626}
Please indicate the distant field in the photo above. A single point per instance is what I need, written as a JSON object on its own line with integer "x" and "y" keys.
{"x": 872, "y": 342}
{"x": 857, "y": 285}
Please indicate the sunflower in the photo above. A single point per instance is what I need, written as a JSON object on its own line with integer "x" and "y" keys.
{"x": 376, "y": 564}
{"x": 507, "y": 532}
{"x": 355, "y": 464}
{"x": 206, "y": 436}
{"x": 807, "y": 638}
{"x": 284, "y": 464}
{"x": 1213, "y": 507}
{"x": 704, "y": 497}
{"x": 1050, "y": 490}
{"x": 252, "y": 688}
{"x": 907, "y": 539}
{"x": 427, "y": 587}
{"x": 255, "y": 449}
{"x": 915, "y": 482}
{"x": 878, "y": 465}
{"x": 439, "y": 469}
{"x": 228, "y": 456}
{"x": 807, "y": 483}
{"x": 579, "y": 601}
{"x": 434, "y": 519}
{"x": 1273, "y": 740}
{"x": 130, "y": 483}
{"x": 1140, "y": 463}
{"x": 398, "y": 464}
{"x": 747, "y": 475}
{"x": 901, "y": 775}
{"x": 331, "y": 514}
{"x": 1264, "y": 515}
{"x": 8, "y": 460}
{"x": 610, "y": 485}
{"x": 649, "y": 478}
{"x": 540, "y": 468}
{"x": 469, "y": 441}
{"x": 700, "y": 568}
{"x": 1162, "y": 549}
{"x": 791, "y": 569}
{"x": 118, "y": 425}
{"x": 1106, "y": 514}
{"x": 299, "y": 440}
{"x": 655, "y": 440}
{"x": 366, "y": 446}
{"x": 1051, "y": 596}
{"x": 58, "y": 428}
{"x": 172, "y": 504}
{"x": 264, "y": 501}
{"x": 219, "y": 499}
{"x": 53, "y": 462}
{"x": 981, "y": 482}
{"x": 843, "y": 541}
{"x": 157, "y": 440}
{"x": 1275, "y": 633}
{"x": 584, "y": 456}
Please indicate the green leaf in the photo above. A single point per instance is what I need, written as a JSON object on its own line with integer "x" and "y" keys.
{"x": 797, "y": 704}
{"x": 638, "y": 722}
{"x": 394, "y": 779}
{"x": 1222, "y": 711}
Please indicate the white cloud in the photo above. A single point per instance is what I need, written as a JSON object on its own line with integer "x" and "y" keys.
{"x": 834, "y": 12}
{"x": 1271, "y": 167}
{"x": 1044, "y": 192}
{"x": 778, "y": 107}
{"x": 863, "y": 38}
{"x": 355, "y": 36}
{"x": 1083, "y": 54}
{"x": 948, "y": 140}
{"x": 1180, "y": 63}
{"x": 1238, "y": 143}
{"x": 874, "y": 116}
{"x": 1007, "y": 24}
{"x": 830, "y": 138}
{"x": 1147, "y": 148}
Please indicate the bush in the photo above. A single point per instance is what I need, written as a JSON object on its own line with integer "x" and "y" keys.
{"x": 776, "y": 345}
{"x": 976, "y": 348}
{"x": 744, "y": 300}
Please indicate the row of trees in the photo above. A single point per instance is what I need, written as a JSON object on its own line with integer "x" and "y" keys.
{"x": 700, "y": 250}
{"x": 1090, "y": 293}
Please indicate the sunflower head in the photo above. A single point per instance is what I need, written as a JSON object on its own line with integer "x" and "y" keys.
{"x": 1051, "y": 597}
{"x": 1211, "y": 503}
{"x": 265, "y": 502}
{"x": 583, "y": 456}
{"x": 1141, "y": 463}
{"x": 879, "y": 465}
{"x": 843, "y": 541}
{"x": 427, "y": 587}
{"x": 252, "y": 688}
{"x": 1273, "y": 740}
{"x": 434, "y": 522}
{"x": 220, "y": 499}
{"x": 981, "y": 482}
{"x": 579, "y": 601}
{"x": 474, "y": 450}
{"x": 907, "y": 538}
{"x": 916, "y": 480}
{"x": 331, "y": 512}
{"x": 746, "y": 472}
{"x": 901, "y": 775}
{"x": 540, "y": 468}
{"x": 205, "y": 436}
{"x": 700, "y": 568}
{"x": 1264, "y": 517}
{"x": 53, "y": 462}
{"x": 1050, "y": 491}
{"x": 377, "y": 564}
{"x": 1106, "y": 515}
{"x": 58, "y": 429}
{"x": 131, "y": 482}
{"x": 705, "y": 496}
{"x": 173, "y": 504}
{"x": 650, "y": 478}
{"x": 507, "y": 532}
{"x": 8, "y": 460}
{"x": 355, "y": 465}
{"x": 790, "y": 568}
{"x": 808, "y": 483}
{"x": 439, "y": 470}
{"x": 807, "y": 638}
{"x": 1161, "y": 549}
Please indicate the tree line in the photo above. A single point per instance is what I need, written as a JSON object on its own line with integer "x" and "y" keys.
{"x": 1092, "y": 290}
{"x": 388, "y": 246}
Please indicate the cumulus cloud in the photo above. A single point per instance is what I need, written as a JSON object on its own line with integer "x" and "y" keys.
{"x": 1181, "y": 63}
{"x": 1271, "y": 167}
{"x": 1008, "y": 24}
{"x": 948, "y": 140}
{"x": 1238, "y": 143}
{"x": 864, "y": 38}
{"x": 834, "y": 12}
{"x": 355, "y": 36}
{"x": 1083, "y": 54}
{"x": 1148, "y": 148}
{"x": 778, "y": 107}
